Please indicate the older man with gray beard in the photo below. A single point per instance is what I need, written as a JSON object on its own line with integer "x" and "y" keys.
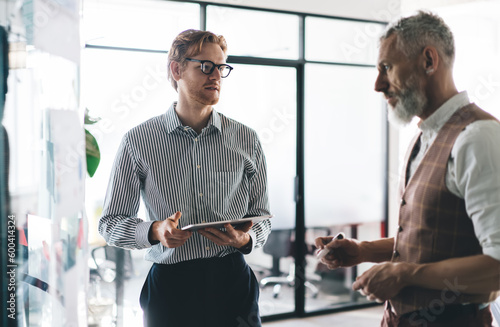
{"x": 443, "y": 265}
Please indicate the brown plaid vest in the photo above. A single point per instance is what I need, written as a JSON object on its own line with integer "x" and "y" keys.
{"x": 433, "y": 222}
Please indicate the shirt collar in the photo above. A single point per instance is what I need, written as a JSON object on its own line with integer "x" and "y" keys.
{"x": 444, "y": 113}
{"x": 173, "y": 122}
{"x": 215, "y": 120}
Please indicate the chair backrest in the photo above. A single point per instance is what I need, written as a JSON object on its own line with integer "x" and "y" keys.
{"x": 110, "y": 254}
{"x": 279, "y": 243}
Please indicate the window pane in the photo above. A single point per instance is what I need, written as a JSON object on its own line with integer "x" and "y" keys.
{"x": 342, "y": 41}
{"x": 344, "y": 170}
{"x": 124, "y": 89}
{"x": 345, "y": 146}
{"x": 256, "y": 33}
{"x": 268, "y": 105}
{"x": 145, "y": 24}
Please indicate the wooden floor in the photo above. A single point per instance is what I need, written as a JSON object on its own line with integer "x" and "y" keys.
{"x": 357, "y": 318}
{"x": 360, "y": 318}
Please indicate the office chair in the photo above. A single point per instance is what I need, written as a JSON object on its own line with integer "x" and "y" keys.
{"x": 102, "y": 308}
{"x": 104, "y": 263}
{"x": 281, "y": 244}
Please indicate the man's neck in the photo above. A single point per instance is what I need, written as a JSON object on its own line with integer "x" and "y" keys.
{"x": 194, "y": 116}
{"x": 437, "y": 94}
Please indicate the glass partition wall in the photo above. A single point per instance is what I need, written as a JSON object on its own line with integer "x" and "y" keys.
{"x": 304, "y": 83}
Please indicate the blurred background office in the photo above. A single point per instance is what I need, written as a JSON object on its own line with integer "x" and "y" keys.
{"x": 303, "y": 79}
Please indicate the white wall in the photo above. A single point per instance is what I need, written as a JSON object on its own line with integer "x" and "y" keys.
{"x": 382, "y": 10}
{"x": 409, "y": 6}
{"x": 5, "y": 8}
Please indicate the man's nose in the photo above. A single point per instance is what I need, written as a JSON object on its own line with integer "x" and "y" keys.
{"x": 381, "y": 83}
{"x": 216, "y": 74}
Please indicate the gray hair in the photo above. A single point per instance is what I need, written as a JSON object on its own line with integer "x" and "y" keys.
{"x": 418, "y": 31}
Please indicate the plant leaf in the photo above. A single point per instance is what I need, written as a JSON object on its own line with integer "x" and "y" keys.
{"x": 93, "y": 153}
{"x": 90, "y": 120}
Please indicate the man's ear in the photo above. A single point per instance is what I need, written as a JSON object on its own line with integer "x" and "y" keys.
{"x": 175, "y": 68}
{"x": 430, "y": 59}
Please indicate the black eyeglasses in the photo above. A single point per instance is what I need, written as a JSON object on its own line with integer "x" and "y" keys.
{"x": 207, "y": 67}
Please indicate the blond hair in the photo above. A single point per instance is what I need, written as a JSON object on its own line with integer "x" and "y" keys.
{"x": 189, "y": 44}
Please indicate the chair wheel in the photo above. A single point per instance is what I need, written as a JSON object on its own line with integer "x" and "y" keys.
{"x": 276, "y": 290}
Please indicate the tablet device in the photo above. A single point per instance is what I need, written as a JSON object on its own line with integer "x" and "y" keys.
{"x": 220, "y": 224}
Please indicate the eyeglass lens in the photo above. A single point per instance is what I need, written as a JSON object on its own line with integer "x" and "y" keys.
{"x": 208, "y": 67}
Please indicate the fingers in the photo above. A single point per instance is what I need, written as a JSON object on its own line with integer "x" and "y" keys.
{"x": 241, "y": 227}
{"x": 331, "y": 264}
{"x": 175, "y": 218}
{"x": 370, "y": 296}
{"x": 214, "y": 234}
{"x": 320, "y": 242}
{"x": 171, "y": 236}
{"x": 357, "y": 286}
{"x": 217, "y": 236}
{"x": 175, "y": 238}
{"x": 327, "y": 253}
{"x": 230, "y": 237}
{"x": 366, "y": 287}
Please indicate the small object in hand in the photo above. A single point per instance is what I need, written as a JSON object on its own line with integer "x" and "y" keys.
{"x": 325, "y": 251}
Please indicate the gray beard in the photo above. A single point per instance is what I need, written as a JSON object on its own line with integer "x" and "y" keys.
{"x": 411, "y": 103}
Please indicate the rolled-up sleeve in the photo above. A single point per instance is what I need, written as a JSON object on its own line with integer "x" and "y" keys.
{"x": 477, "y": 172}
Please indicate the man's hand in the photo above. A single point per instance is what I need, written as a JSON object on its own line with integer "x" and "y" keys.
{"x": 235, "y": 237}
{"x": 166, "y": 232}
{"x": 383, "y": 281}
{"x": 343, "y": 252}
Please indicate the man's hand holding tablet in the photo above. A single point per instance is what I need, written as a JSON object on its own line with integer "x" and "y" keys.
{"x": 220, "y": 224}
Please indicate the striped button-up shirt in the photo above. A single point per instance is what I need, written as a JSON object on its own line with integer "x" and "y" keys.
{"x": 219, "y": 174}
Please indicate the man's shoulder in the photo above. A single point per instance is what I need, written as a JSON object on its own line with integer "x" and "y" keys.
{"x": 232, "y": 125}
{"x": 481, "y": 131}
{"x": 478, "y": 113}
{"x": 151, "y": 126}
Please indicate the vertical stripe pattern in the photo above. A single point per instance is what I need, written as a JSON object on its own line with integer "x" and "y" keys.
{"x": 217, "y": 175}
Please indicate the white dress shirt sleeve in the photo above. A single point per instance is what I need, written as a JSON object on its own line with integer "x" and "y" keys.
{"x": 474, "y": 175}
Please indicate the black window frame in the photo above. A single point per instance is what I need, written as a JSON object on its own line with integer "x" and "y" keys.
{"x": 299, "y": 64}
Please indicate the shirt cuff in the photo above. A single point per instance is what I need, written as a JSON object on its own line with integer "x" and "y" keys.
{"x": 248, "y": 250}
{"x": 141, "y": 234}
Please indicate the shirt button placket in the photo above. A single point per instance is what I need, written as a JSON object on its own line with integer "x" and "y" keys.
{"x": 198, "y": 184}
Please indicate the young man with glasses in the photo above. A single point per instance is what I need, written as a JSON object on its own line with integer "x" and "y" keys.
{"x": 192, "y": 165}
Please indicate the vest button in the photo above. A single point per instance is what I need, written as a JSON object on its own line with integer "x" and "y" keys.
{"x": 400, "y": 229}
{"x": 403, "y": 202}
{"x": 395, "y": 254}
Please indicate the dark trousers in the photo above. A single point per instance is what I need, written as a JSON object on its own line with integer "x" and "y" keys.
{"x": 216, "y": 292}
{"x": 449, "y": 316}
